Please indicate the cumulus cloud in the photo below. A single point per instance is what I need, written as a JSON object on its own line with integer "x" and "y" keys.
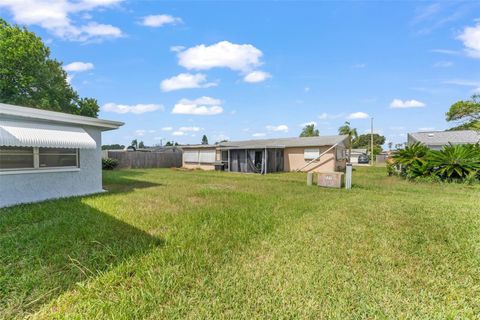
{"x": 224, "y": 54}
{"x": 186, "y": 81}
{"x": 327, "y": 116}
{"x": 279, "y": 128}
{"x": 471, "y": 40}
{"x": 405, "y": 104}
{"x": 135, "y": 109}
{"x": 167, "y": 129}
{"x": 203, "y": 106}
{"x": 443, "y": 64}
{"x": 358, "y": 115}
{"x": 308, "y": 123}
{"x": 56, "y": 17}
{"x": 259, "y": 134}
{"x": 192, "y": 129}
{"x": 78, "y": 66}
{"x": 160, "y": 20}
{"x": 178, "y": 133}
{"x": 256, "y": 76}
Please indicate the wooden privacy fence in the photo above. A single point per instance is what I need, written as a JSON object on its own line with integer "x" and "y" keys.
{"x": 136, "y": 159}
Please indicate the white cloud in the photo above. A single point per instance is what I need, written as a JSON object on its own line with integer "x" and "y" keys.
{"x": 358, "y": 115}
{"x": 136, "y": 108}
{"x": 78, "y": 66}
{"x": 359, "y": 65}
{"x": 56, "y": 17}
{"x": 256, "y": 76}
{"x": 205, "y": 106}
{"x": 443, "y": 64}
{"x": 327, "y": 116}
{"x": 471, "y": 40}
{"x": 186, "y": 129}
{"x": 279, "y": 128}
{"x": 259, "y": 134}
{"x": 224, "y": 54}
{"x": 446, "y": 51}
{"x": 140, "y": 133}
{"x": 405, "y": 104}
{"x": 178, "y": 133}
{"x": 426, "y": 129}
{"x": 177, "y": 48}
{"x": 160, "y": 20}
{"x": 186, "y": 81}
{"x": 167, "y": 129}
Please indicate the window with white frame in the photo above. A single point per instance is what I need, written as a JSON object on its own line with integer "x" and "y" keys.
{"x": 311, "y": 153}
{"x": 28, "y": 158}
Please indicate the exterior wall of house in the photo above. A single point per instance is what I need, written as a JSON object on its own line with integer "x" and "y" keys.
{"x": 31, "y": 187}
{"x": 197, "y": 165}
{"x": 294, "y": 160}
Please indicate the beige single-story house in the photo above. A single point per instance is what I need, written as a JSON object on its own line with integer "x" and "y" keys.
{"x": 46, "y": 154}
{"x": 318, "y": 154}
{"x": 435, "y": 140}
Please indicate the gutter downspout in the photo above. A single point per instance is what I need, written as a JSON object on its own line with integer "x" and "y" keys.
{"x": 311, "y": 161}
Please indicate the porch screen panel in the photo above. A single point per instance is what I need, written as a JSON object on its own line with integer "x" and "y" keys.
{"x": 207, "y": 156}
{"x": 190, "y": 156}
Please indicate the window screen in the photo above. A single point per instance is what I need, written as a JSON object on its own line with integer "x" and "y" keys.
{"x": 207, "y": 156}
{"x": 16, "y": 158}
{"x": 190, "y": 156}
{"x": 310, "y": 154}
{"x": 57, "y": 157}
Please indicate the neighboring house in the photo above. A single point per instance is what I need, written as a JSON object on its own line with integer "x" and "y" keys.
{"x": 437, "y": 139}
{"x": 46, "y": 154}
{"x": 320, "y": 154}
{"x": 355, "y": 154}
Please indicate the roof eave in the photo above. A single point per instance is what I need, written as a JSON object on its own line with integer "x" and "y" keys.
{"x": 34, "y": 114}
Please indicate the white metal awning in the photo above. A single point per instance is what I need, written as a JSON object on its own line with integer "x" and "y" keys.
{"x": 31, "y": 134}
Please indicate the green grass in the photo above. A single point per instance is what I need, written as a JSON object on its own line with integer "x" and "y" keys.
{"x": 197, "y": 245}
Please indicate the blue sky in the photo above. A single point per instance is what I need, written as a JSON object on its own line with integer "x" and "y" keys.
{"x": 241, "y": 70}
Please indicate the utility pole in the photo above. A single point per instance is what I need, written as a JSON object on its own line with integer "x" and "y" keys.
{"x": 371, "y": 143}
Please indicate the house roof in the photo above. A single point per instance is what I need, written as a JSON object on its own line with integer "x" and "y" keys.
{"x": 58, "y": 117}
{"x": 359, "y": 150}
{"x": 440, "y": 138}
{"x": 198, "y": 146}
{"x": 284, "y": 142}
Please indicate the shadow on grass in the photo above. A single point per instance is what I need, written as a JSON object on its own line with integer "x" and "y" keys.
{"x": 125, "y": 181}
{"x": 48, "y": 247}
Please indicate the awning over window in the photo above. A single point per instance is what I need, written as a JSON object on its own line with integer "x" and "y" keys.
{"x": 30, "y": 134}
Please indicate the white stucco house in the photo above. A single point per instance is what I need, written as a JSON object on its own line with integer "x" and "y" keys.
{"x": 46, "y": 154}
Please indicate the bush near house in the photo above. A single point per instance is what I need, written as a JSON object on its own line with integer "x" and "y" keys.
{"x": 453, "y": 163}
{"x": 109, "y": 163}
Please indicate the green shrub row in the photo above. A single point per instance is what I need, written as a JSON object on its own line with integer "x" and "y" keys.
{"x": 453, "y": 163}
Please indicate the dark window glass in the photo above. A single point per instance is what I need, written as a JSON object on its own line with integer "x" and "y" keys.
{"x": 16, "y": 158}
{"x": 57, "y": 157}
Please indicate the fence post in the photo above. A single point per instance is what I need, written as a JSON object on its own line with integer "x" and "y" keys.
{"x": 309, "y": 178}
{"x": 348, "y": 176}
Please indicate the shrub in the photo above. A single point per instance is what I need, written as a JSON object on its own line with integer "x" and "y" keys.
{"x": 109, "y": 163}
{"x": 454, "y": 163}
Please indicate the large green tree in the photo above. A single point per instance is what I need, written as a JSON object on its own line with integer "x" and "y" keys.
{"x": 309, "y": 131}
{"x": 204, "y": 139}
{"x": 29, "y": 77}
{"x": 467, "y": 113}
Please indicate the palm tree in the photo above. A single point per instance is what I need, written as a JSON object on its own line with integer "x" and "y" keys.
{"x": 351, "y": 133}
{"x": 309, "y": 131}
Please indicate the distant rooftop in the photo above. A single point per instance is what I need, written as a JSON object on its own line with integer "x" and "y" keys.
{"x": 273, "y": 143}
{"x": 440, "y": 138}
{"x": 285, "y": 142}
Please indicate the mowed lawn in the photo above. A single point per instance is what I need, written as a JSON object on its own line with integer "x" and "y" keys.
{"x": 195, "y": 245}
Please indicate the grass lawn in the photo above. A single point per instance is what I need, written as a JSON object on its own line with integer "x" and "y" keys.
{"x": 197, "y": 245}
